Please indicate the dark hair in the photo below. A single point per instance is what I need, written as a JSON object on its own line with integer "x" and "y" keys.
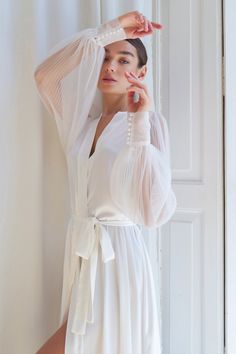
{"x": 141, "y": 50}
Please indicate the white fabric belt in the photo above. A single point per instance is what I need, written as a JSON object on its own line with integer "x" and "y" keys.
{"x": 87, "y": 233}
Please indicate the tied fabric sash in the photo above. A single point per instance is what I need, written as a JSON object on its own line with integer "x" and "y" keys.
{"x": 87, "y": 234}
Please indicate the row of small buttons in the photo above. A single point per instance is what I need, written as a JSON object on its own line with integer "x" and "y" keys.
{"x": 130, "y": 121}
{"x": 107, "y": 34}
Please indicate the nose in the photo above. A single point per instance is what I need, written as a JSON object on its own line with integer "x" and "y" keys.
{"x": 110, "y": 68}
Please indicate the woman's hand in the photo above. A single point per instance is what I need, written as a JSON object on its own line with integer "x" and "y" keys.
{"x": 144, "y": 103}
{"x": 137, "y": 25}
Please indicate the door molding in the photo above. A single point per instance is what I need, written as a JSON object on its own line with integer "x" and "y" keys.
{"x": 229, "y": 11}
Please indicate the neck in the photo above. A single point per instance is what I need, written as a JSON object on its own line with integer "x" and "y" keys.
{"x": 112, "y": 103}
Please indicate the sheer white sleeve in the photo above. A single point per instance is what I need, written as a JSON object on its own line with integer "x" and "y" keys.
{"x": 67, "y": 79}
{"x": 141, "y": 174}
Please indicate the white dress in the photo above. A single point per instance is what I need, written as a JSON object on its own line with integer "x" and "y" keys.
{"x": 108, "y": 291}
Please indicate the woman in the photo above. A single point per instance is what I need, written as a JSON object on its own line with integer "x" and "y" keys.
{"x": 120, "y": 179}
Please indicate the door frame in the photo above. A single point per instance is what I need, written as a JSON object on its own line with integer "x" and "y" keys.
{"x": 229, "y": 18}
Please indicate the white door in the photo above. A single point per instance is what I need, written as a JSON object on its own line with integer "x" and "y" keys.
{"x": 191, "y": 261}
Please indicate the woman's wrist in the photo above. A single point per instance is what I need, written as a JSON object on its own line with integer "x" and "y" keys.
{"x": 138, "y": 128}
{"x": 110, "y": 31}
{"x": 120, "y": 19}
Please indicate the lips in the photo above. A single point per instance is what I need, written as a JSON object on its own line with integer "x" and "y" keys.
{"x": 109, "y": 79}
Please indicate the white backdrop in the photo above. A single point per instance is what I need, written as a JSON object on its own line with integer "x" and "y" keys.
{"x": 34, "y": 201}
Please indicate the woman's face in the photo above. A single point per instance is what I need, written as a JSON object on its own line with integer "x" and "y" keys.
{"x": 120, "y": 56}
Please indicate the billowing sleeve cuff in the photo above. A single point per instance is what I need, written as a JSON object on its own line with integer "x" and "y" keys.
{"x": 110, "y": 32}
{"x": 138, "y": 128}
{"x": 140, "y": 183}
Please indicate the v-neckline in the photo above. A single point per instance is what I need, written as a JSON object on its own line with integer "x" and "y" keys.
{"x": 100, "y": 136}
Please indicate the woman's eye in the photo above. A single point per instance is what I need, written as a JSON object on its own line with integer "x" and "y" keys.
{"x": 122, "y": 60}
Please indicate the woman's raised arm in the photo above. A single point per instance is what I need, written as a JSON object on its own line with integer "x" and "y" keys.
{"x": 67, "y": 79}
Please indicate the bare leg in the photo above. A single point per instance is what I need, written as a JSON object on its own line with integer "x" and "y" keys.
{"x": 56, "y": 343}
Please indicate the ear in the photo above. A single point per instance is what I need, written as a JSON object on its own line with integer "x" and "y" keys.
{"x": 142, "y": 73}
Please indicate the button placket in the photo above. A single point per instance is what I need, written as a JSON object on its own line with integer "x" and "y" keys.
{"x": 107, "y": 34}
{"x": 130, "y": 118}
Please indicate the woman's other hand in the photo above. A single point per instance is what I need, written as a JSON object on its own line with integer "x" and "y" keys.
{"x": 144, "y": 102}
{"x": 135, "y": 24}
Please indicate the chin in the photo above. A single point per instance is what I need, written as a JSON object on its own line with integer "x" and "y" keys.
{"x": 110, "y": 89}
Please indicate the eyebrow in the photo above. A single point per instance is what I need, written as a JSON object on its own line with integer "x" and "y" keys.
{"x": 125, "y": 52}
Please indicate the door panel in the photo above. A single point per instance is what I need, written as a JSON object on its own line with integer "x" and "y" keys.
{"x": 190, "y": 246}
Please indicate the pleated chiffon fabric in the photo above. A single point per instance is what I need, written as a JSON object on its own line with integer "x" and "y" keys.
{"x": 108, "y": 294}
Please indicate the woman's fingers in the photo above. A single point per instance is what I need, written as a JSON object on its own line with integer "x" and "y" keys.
{"x": 136, "y": 18}
{"x": 137, "y": 25}
{"x": 133, "y": 79}
{"x": 150, "y": 26}
{"x": 139, "y": 91}
{"x": 140, "y": 18}
{"x": 142, "y": 33}
{"x": 138, "y": 87}
{"x": 156, "y": 25}
{"x": 146, "y": 23}
{"x": 132, "y": 76}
